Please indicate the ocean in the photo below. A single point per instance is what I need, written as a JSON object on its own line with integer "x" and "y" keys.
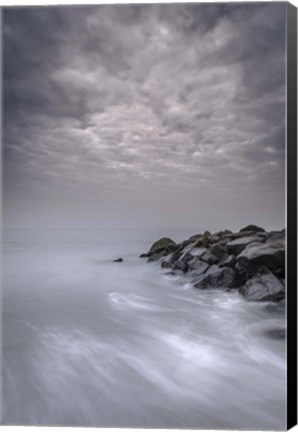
{"x": 90, "y": 342}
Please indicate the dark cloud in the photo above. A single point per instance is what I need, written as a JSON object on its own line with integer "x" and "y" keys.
{"x": 131, "y": 96}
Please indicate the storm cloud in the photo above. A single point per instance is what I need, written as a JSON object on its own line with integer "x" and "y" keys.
{"x": 169, "y": 115}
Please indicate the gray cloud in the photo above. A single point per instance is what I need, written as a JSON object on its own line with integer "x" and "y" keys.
{"x": 147, "y": 100}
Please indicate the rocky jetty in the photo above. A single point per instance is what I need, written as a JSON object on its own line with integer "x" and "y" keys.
{"x": 251, "y": 261}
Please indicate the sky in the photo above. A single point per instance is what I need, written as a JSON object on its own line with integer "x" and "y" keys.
{"x": 144, "y": 116}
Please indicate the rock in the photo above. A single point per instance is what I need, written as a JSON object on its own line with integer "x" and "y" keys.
{"x": 224, "y": 233}
{"x": 235, "y": 247}
{"x": 203, "y": 241}
{"x": 187, "y": 252}
{"x": 209, "y": 258}
{"x": 166, "y": 264}
{"x": 144, "y": 255}
{"x": 222, "y": 278}
{"x": 197, "y": 251}
{"x": 214, "y": 238}
{"x": 227, "y": 261}
{"x": 274, "y": 236}
{"x": 156, "y": 256}
{"x": 118, "y": 260}
{"x": 197, "y": 265}
{"x": 167, "y": 261}
{"x": 225, "y": 240}
{"x": 218, "y": 250}
{"x": 164, "y": 244}
{"x": 263, "y": 286}
{"x": 270, "y": 254}
{"x": 180, "y": 264}
{"x": 253, "y": 228}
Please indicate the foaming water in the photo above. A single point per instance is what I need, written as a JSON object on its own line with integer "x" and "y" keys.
{"x": 89, "y": 342}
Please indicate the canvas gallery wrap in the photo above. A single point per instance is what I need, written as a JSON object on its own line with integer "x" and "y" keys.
{"x": 145, "y": 233}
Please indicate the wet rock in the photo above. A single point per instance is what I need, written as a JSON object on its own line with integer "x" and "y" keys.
{"x": 181, "y": 265}
{"x": 221, "y": 278}
{"x": 118, "y": 260}
{"x": 203, "y": 241}
{"x": 198, "y": 265}
{"x": 166, "y": 264}
{"x": 197, "y": 251}
{"x": 270, "y": 254}
{"x": 167, "y": 261}
{"x": 214, "y": 239}
{"x": 156, "y": 256}
{"x": 274, "y": 236}
{"x": 227, "y": 261}
{"x": 218, "y": 250}
{"x": 253, "y": 228}
{"x": 165, "y": 245}
{"x": 263, "y": 286}
{"x": 144, "y": 255}
{"x": 235, "y": 247}
{"x": 209, "y": 257}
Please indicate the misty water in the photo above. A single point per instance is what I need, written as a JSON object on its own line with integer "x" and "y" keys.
{"x": 89, "y": 342}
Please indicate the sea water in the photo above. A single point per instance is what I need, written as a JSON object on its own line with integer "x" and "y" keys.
{"x": 90, "y": 342}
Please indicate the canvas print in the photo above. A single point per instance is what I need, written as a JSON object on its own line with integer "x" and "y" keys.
{"x": 143, "y": 231}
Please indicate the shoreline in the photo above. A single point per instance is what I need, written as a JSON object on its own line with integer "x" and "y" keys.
{"x": 251, "y": 261}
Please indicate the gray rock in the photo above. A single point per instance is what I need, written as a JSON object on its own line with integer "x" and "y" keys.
{"x": 218, "y": 250}
{"x": 235, "y": 247}
{"x": 222, "y": 278}
{"x": 167, "y": 261}
{"x": 118, "y": 260}
{"x": 263, "y": 286}
{"x": 180, "y": 265}
{"x": 197, "y": 251}
{"x": 271, "y": 254}
{"x": 209, "y": 257}
{"x": 253, "y": 228}
{"x": 156, "y": 256}
{"x": 144, "y": 255}
{"x": 198, "y": 265}
{"x": 274, "y": 236}
{"x": 227, "y": 261}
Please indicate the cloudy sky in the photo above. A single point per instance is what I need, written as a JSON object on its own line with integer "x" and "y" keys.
{"x": 148, "y": 116}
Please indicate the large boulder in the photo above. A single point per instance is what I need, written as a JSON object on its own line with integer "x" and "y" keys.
{"x": 164, "y": 245}
{"x": 235, "y": 247}
{"x": 221, "y": 278}
{"x": 271, "y": 254}
{"x": 263, "y": 286}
